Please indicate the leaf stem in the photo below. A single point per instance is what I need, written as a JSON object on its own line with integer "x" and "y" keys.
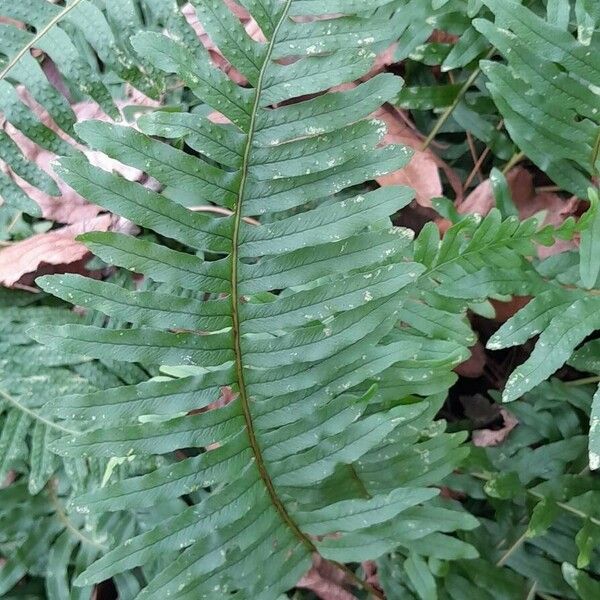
{"x": 477, "y": 162}
{"x": 532, "y": 592}
{"x": 239, "y": 366}
{"x": 36, "y": 416}
{"x": 219, "y": 210}
{"x": 480, "y": 161}
{"x": 514, "y": 547}
{"x": 583, "y": 381}
{"x": 236, "y": 329}
{"x": 448, "y": 112}
{"x": 62, "y": 517}
{"x": 37, "y": 37}
{"x": 463, "y": 90}
{"x": 515, "y": 159}
{"x": 13, "y": 222}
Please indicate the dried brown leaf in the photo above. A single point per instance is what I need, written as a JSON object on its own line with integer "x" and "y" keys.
{"x": 505, "y": 310}
{"x": 326, "y": 581}
{"x": 474, "y": 366}
{"x": 382, "y": 61}
{"x": 557, "y": 211}
{"x": 493, "y": 437}
{"x": 528, "y": 202}
{"x": 58, "y": 248}
{"x": 443, "y": 37}
{"x": 423, "y": 171}
{"x": 481, "y": 199}
{"x": 370, "y": 570}
{"x": 70, "y": 207}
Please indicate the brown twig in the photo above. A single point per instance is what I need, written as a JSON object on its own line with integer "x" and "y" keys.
{"x": 480, "y": 161}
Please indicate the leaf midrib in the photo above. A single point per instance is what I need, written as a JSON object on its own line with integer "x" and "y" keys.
{"x": 478, "y": 250}
{"x": 34, "y": 415}
{"x": 36, "y": 38}
{"x": 236, "y": 329}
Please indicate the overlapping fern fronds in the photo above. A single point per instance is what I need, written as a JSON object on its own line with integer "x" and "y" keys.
{"x": 537, "y": 505}
{"x": 28, "y": 375}
{"x": 296, "y": 455}
{"x": 306, "y": 344}
{"x": 52, "y": 56}
{"x": 549, "y": 90}
{"x": 40, "y": 537}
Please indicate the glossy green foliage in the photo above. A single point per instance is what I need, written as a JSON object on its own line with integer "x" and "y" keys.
{"x": 40, "y": 536}
{"x": 549, "y": 89}
{"x": 299, "y": 321}
{"x": 30, "y": 377}
{"x": 49, "y": 544}
{"x": 538, "y": 509}
{"x": 564, "y": 308}
{"x": 289, "y": 349}
{"x": 85, "y": 54}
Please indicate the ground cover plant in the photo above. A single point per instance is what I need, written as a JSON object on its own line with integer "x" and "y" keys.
{"x": 300, "y": 299}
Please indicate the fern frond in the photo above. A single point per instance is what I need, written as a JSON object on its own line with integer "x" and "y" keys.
{"x": 584, "y": 585}
{"x": 40, "y": 538}
{"x": 50, "y": 545}
{"x": 29, "y": 378}
{"x": 85, "y": 43}
{"x": 548, "y": 93}
{"x": 557, "y": 342}
{"x": 477, "y": 259}
{"x": 562, "y": 312}
{"x": 301, "y": 362}
{"x": 547, "y": 501}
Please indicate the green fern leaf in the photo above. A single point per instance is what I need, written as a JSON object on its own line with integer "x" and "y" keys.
{"x": 586, "y": 587}
{"x": 590, "y": 240}
{"x": 67, "y": 35}
{"x": 301, "y": 362}
{"x": 555, "y": 345}
{"x": 27, "y": 378}
{"x": 39, "y": 536}
{"x": 547, "y": 93}
{"x": 532, "y": 319}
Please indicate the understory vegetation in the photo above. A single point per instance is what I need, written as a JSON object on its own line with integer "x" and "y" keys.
{"x": 300, "y": 299}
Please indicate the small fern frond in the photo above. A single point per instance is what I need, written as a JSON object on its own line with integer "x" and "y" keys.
{"x": 548, "y": 92}
{"x": 563, "y": 312}
{"x": 477, "y": 259}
